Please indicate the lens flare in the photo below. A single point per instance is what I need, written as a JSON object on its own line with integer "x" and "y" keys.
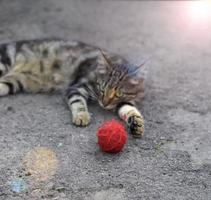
{"x": 40, "y": 163}
{"x": 199, "y": 11}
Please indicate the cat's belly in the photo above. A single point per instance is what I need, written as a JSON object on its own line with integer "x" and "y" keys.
{"x": 39, "y": 75}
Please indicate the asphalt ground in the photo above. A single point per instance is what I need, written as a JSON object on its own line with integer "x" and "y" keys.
{"x": 43, "y": 156}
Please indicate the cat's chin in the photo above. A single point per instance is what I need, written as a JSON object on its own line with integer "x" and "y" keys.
{"x": 108, "y": 107}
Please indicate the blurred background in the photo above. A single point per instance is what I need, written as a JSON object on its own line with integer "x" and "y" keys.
{"x": 173, "y": 160}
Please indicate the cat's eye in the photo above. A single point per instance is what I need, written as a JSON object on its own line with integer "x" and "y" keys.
{"x": 119, "y": 93}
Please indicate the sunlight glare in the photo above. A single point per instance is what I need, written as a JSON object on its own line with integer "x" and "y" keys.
{"x": 199, "y": 11}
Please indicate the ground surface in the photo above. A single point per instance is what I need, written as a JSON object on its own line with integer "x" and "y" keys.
{"x": 171, "y": 162}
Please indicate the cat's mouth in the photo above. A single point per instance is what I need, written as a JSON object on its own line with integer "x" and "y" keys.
{"x": 107, "y": 107}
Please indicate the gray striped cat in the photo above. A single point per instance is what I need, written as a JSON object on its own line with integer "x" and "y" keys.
{"x": 80, "y": 70}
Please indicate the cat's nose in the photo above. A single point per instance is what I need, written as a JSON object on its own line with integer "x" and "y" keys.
{"x": 106, "y": 102}
{"x": 108, "y": 97}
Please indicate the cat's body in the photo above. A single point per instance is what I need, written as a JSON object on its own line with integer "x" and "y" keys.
{"x": 80, "y": 70}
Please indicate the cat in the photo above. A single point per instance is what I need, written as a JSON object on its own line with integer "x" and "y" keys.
{"x": 81, "y": 71}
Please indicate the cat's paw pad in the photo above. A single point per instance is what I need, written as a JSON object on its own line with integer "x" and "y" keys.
{"x": 81, "y": 119}
{"x": 136, "y": 125}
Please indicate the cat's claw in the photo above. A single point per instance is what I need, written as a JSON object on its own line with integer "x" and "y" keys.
{"x": 81, "y": 119}
{"x": 136, "y": 126}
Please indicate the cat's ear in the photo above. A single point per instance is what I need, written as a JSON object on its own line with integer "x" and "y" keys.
{"x": 143, "y": 70}
{"x": 138, "y": 73}
{"x": 106, "y": 64}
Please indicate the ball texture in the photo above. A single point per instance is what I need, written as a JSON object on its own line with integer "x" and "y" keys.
{"x": 111, "y": 136}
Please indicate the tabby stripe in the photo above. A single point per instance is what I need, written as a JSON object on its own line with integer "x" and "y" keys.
{"x": 92, "y": 93}
{"x": 6, "y": 68}
{"x": 70, "y": 94}
{"x": 2, "y": 68}
{"x": 106, "y": 82}
{"x": 85, "y": 86}
{"x": 83, "y": 70}
{"x": 41, "y": 67}
{"x": 10, "y": 86}
{"x": 20, "y": 86}
{"x": 113, "y": 74}
{"x": 4, "y": 55}
{"x": 75, "y": 101}
{"x": 121, "y": 77}
{"x": 85, "y": 57}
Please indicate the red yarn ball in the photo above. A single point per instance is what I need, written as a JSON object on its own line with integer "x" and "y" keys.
{"x": 111, "y": 136}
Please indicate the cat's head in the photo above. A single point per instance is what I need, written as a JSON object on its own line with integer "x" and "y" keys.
{"x": 119, "y": 83}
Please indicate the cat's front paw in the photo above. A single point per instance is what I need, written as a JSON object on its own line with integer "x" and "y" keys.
{"x": 136, "y": 125}
{"x": 81, "y": 119}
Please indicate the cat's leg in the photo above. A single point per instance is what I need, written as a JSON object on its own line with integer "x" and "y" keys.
{"x": 76, "y": 98}
{"x": 133, "y": 118}
{"x": 13, "y": 83}
{"x": 10, "y": 85}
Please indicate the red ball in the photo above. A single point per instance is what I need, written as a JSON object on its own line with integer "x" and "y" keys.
{"x": 111, "y": 136}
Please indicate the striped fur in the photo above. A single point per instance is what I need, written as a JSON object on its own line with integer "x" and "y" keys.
{"x": 80, "y": 70}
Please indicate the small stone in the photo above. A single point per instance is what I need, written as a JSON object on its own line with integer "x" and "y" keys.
{"x": 60, "y": 144}
{"x": 10, "y": 108}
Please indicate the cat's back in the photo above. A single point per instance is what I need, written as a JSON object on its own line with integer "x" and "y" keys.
{"x": 52, "y": 61}
{"x": 43, "y": 49}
